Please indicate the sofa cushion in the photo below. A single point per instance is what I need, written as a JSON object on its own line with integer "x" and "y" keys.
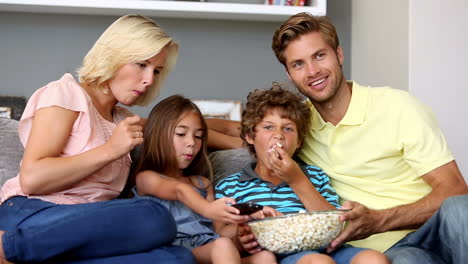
{"x": 11, "y": 151}
{"x": 227, "y": 162}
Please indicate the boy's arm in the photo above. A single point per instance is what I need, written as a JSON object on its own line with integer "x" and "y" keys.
{"x": 289, "y": 171}
{"x": 309, "y": 196}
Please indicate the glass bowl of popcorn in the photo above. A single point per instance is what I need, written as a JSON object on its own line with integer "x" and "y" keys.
{"x": 291, "y": 233}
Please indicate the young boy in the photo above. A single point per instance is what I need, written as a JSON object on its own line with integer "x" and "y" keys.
{"x": 274, "y": 124}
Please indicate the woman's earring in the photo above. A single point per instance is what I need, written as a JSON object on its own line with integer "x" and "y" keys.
{"x": 105, "y": 91}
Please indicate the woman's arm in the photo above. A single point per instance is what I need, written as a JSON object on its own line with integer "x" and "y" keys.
{"x": 43, "y": 171}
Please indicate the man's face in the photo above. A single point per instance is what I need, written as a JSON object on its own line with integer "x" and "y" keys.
{"x": 314, "y": 67}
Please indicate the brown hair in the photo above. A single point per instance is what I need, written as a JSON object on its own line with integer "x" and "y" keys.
{"x": 259, "y": 102}
{"x": 299, "y": 25}
{"x": 158, "y": 152}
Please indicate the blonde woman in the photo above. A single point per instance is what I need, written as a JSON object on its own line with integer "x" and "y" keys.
{"x": 61, "y": 207}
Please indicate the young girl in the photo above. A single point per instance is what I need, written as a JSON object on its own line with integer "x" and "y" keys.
{"x": 171, "y": 162}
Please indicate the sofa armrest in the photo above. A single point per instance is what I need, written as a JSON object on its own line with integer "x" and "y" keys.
{"x": 11, "y": 149}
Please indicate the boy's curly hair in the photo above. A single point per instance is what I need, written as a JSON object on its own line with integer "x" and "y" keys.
{"x": 259, "y": 102}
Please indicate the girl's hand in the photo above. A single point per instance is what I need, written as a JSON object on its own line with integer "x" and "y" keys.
{"x": 247, "y": 239}
{"x": 126, "y": 136}
{"x": 283, "y": 166}
{"x": 220, "y": 210}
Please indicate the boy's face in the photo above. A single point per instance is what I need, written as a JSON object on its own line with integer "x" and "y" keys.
{"x": 271, "y": 130}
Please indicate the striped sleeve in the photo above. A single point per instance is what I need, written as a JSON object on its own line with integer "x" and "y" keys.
{"x": 321, "y": 182}
{"x": 225, "y": 187}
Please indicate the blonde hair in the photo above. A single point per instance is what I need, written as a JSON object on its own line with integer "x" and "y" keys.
{"x": 130, "y": 38}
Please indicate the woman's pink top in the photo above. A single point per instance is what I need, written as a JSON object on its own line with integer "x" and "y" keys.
{"x": 89, "y": 131}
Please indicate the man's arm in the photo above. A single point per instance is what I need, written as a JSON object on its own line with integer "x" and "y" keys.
{"x": 223, "y": 134}
{"x": 445, "y": 181}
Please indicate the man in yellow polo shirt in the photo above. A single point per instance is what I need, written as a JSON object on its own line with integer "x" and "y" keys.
{"x": 383, "y": 150}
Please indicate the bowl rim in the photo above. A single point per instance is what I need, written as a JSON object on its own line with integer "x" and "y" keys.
{"x": 335, "y": 211}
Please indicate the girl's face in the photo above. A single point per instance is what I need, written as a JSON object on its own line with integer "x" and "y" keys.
{"x": 133, "y": 79}
{"x": 188, "y": 136}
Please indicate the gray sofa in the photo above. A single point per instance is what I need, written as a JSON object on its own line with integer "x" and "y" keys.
{"x": 11, "y": 149}
{"x": 225, "y": 162}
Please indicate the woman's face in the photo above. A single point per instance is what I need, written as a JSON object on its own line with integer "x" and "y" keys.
{"x": 187, "y": 139}
{"x": 133, "y": 79}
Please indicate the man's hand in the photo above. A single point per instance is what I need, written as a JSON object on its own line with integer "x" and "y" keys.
{"x": 362, "y": 223}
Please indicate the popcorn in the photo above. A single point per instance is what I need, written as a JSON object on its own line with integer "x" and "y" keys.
{"x": 297, "y": 232}
{"x": 272, "y": 149}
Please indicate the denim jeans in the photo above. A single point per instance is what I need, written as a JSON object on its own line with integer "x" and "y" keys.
{"x": 116, "y": 231}
{"x": 343, "y": 255}
{"x": 442, "y": 239}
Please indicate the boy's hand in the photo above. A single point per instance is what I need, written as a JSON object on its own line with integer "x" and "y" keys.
{"x": 247, "y": 240}
{"x": 220, "y": 211}
{"x": 265, "y": 212}
{"x": 283, "y": 166}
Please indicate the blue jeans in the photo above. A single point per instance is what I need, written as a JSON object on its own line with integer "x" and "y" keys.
{"x": 116, "y": 231}
{"x": 442, "y": 239}
{"x": 343, "y": 255}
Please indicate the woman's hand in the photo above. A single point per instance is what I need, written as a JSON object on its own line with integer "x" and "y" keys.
{"x": 220, "y": 210}
{"x": 126, "y": 136}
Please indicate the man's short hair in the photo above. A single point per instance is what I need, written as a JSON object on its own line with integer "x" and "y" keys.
{"x": 299, "y": 25}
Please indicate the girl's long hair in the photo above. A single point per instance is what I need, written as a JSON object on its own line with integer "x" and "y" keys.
{"x": 158, "y": 152}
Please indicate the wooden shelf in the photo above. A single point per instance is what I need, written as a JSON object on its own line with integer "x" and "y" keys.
{"x": 171, "y": 9}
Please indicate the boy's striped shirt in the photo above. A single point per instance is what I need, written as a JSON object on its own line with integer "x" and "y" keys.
{"x": 247, "y": 186}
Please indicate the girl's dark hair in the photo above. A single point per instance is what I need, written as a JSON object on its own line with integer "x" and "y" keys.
{"x": 157, "y": 153}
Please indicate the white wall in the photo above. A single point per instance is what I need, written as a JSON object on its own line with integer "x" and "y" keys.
{"x": 438, "y": 67}
{"x": 379, "y": 42}
{"x": 218, "y": 59}
{"x": 419, "y": 46}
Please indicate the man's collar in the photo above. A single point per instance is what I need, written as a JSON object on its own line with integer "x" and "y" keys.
{"x": 355, "y": 114}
